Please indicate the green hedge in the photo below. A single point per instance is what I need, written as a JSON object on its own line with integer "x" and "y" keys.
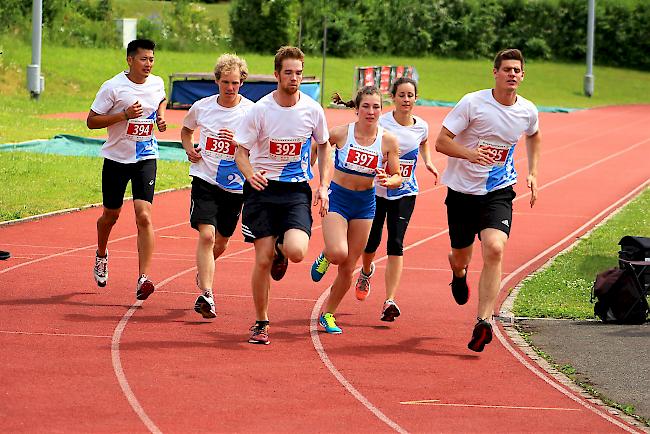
{"x": 543, "y": 29}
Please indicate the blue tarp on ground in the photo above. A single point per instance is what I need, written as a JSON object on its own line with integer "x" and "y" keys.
{"x": 187, "y": 92}
{"x": 64, "y": 144}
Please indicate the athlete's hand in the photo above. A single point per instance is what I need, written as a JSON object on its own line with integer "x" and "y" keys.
{"x": 431, "y": 168}
{"x": 481, "y": 156}
{"x": 134, "y": 111}
{"x": 531, "y": 180}
{"x": 194, "y": 155}
{"x": 160, "y": 122}
{"x": 226, "y": 134}
{"x": 322, "y": 197}
{"x": 258, "y": 181}
{"x": 385, "y": 180}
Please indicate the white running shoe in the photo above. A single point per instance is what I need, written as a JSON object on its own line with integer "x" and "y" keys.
{"x": 100, "y": 271}
{"x": 205, "y": 305}
{"x": 145, "y": 288}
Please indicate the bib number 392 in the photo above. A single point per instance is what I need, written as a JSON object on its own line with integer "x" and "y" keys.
{"x": 285, "y": 149}
{"x": 139, "y": 130}
{"x": 498, "y": 151}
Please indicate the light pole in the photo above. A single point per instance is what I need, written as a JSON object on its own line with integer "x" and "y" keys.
{"x": 36, "y": 82}
{"x": 591, "y": 23}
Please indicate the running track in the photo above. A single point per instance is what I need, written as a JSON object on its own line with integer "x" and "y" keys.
{"x": 77, "y": 358}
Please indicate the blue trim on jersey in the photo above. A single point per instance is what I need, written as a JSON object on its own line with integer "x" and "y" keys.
{"x": 410, "y": 186}
{"x": 299, "y": 171}
{"x": 229, "y": 177}
{"x": 148, "y": 147}
{"x": 502, "y": 175}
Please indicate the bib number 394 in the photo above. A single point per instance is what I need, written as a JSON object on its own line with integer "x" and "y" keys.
{"x": 285, "y": 149}
{"x": 498, "y": 151}
{"x": 139, "y": 130}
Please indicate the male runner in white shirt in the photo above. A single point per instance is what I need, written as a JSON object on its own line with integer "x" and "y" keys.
{"x": 129, "y": 105}
{"x": 479, "y": 136}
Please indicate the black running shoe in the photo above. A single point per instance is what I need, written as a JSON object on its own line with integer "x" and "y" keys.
{"x": 459, "y": 288}
{"x": 279, "y": 265}
{"x": 481, "y": 336}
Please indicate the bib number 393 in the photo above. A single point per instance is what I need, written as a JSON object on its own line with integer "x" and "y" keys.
{"x": 223, "y": 149}
{"x": 498, "y": 151}
{"x": 285, "y": 149}
{"x": 139, "y": 130}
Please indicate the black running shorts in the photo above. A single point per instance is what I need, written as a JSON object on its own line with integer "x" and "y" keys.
{"x": 212, "y": 205}
{"x": 276, "y": 209}
{"x": 116, "y": 175}
{"x": 397, "y": 214}
{"x": 469, "y": 214}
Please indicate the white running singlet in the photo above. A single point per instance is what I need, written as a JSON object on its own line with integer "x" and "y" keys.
{"x": 217, "y": 164}
{"x": 480, "y": 120}
{"x": 356, "y": 159}
{"x": 409, "y": 138}
{"x": 133, "y": 140}
{"x": 279, "y": 138}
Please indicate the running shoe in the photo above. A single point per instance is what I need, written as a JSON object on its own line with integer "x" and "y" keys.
{"x": 100, "y": 271}
{"x": 4, "y": 255}
{"x": 362, "y": 287}
{"x": 259, "y": 335}
{"x": 481, "y": 336}
{"x": 145, "y": 288}
{"x": 390, "y": 311}
{"x": 459, "y": 288}
{"x": 279, "y": 265}
{"x": 328, "y": 322}
{"x": 319, "y": 268}
{"x": 205, "y": 305}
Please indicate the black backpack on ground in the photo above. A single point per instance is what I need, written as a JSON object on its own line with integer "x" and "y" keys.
{"x": 620, "y": 298}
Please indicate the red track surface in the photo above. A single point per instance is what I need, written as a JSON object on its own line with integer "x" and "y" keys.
{"x": 77, "y": 358}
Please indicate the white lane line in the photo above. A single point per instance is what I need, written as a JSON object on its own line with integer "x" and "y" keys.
{"x": 78, "y": 249}
{"x": 436, "y": 402}
{"x": 521, "y": 358}
{"x": 117, "y": 336}
{"x": 74, "y": 335}
{"x": 218, "y": 295}
{"x": 320, "y": 350}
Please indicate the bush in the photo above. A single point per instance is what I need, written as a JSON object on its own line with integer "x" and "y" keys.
{"x": 262, "y": 26}
{"x": 186, "y": 28}
{"x": 83, "y": 23}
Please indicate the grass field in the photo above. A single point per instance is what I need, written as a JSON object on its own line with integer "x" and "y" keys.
{"x": 563, "y": 289}
{"x": 38, "y": 183}
{"x": 73, "y": 76}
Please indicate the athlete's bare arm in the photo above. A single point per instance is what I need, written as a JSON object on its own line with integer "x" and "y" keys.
{"x": 392, "y": 176}
{"x": 160, "y": 115}
{"x": 187, "y": 139}
{"x": 426, "y": 158}
{"x": 96, "y": 121}
{"x": 533, "y": 150}
{"x": 257, "y": 180}
{"x": 445, "y": 144}
{"x": 325, "y": 169}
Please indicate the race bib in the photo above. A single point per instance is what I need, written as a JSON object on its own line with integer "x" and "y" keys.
{"x": 362, "y": 160}
{"x": 221, "y": 148}
{"x": 285, "y": 149}
{"x": 498, "y": 151}
{"x": 139, "y": 129}
{"x": 406, "y": 168}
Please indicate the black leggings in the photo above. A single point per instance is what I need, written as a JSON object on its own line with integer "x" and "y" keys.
{"x": 397, "y": 214}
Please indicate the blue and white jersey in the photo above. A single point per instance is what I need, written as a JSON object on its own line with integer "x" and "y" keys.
{"x": 356, "y": 159}
{"x": 279, "y": 138}
{"x": 480, "y": 120}
{"x": 132, "y": 140}
{"x": 217, "y": 165}
{"x": 409, "y": 138}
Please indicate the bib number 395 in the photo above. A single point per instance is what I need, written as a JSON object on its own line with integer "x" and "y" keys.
{"x": 498, "y": 151}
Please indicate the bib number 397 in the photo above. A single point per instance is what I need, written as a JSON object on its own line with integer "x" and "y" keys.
{"x": 362, "y": 160}
{"x": 139, "y": 130}
{"x": 498, "y": 151}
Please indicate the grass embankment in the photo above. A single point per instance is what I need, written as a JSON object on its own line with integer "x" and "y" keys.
{"x": 563, "y": 289}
